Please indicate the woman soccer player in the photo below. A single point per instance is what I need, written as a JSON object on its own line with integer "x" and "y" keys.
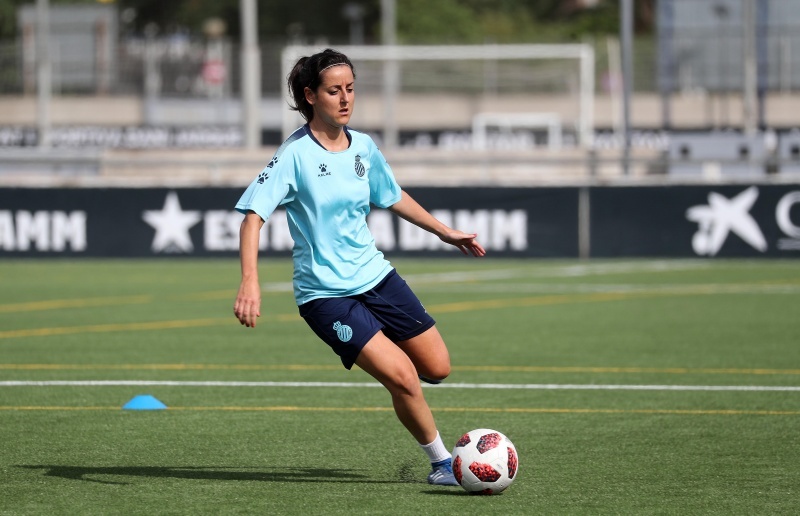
{"x": 327, "y": 175}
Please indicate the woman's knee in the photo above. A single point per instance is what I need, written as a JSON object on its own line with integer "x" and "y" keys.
{"x": 390, "y": 366}
{"x": 436, "y": 372}
{"x": 429, "y": 354}
{"x": 404, "y": 383}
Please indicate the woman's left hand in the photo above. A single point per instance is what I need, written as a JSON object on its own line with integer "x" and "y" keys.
{"x": 465, "y": 242}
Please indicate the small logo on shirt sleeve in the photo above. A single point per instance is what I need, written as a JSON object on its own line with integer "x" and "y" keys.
{"x": 263, "y": 176}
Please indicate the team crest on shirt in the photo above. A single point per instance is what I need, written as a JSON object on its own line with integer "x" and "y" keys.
{"x": 323, "y": 170}
{"x": 360, "y": 170}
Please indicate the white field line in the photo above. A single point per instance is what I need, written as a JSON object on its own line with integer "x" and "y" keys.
{"x": 443, "y": 277}
{"x": 569, "y": 271}
{"x": 618, "y": 288}
{"x": 488, "y": 386}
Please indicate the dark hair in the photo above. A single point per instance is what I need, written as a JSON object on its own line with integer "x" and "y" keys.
{"x": 306, "y": 74}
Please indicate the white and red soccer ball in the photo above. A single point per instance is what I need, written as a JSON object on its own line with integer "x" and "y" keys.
{"x": 485, "y": 461}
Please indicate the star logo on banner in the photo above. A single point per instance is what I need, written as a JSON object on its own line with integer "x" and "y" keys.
{"x": 172, "y": 226}
{"x": 723, "y": 216}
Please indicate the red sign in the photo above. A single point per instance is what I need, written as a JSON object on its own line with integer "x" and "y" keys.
{"x": 214, "y": 71}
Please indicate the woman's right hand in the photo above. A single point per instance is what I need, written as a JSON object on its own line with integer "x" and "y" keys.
{"x": 247, "y": 307}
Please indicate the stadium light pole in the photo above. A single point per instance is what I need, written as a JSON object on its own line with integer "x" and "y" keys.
{"x": 626, "y": 39}
{"x": 251, "y": 75}
{"x": 391, "y": 74}
{"x": 44, "y": 73}
{"x": 750, "y": 68}
{"x": 354, "y": 13}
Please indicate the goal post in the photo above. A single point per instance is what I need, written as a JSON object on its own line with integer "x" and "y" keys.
{"x": 390, "y": 56}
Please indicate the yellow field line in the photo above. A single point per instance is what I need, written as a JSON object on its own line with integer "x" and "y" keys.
{"x": 54, "y": 408}
{"x": 137, "y": 326}
{"x": 207, "y": 296}
{"x": 630, "y": 370}
{"x": 54, "y": 304}
{"x": 671, "y": 412}
{"x": 189, "y": 323}
{"x": 103, "y": 328}
{"x": 169, "y": 367}
{"x": 437, "y": 309}
{"x": 457, "y": 368}
{"x": 466, "y": 306}
{"x": 89, "y": 302}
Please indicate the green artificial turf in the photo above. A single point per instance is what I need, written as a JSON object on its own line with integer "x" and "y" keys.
{"x": 628, "y": 387}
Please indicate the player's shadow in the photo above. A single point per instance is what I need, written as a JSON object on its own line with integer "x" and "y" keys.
{"x": 449, "y": 491}
{"x": 90, "y": 474}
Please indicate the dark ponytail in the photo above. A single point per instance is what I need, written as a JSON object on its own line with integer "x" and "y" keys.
{"x": 306, "y": 74}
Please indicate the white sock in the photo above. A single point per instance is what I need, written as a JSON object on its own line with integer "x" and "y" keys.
{"x": 436, "y": 451}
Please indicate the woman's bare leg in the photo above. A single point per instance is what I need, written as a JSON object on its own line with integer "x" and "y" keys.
{"x": 429, "y": 354}
{"x": 390, "y": 365}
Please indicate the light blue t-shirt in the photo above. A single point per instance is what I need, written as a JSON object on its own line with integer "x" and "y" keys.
{"x": 327, "y": 197}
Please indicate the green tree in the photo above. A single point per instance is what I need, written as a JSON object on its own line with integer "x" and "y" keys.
{"x": 419, "y": 21}
{"x": 440, "y": 22}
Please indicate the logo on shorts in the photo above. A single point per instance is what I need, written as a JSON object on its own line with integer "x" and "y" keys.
{"x": 343, "y": 331}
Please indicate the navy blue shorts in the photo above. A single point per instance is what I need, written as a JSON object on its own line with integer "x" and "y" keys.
{"x": 346, "y": 324}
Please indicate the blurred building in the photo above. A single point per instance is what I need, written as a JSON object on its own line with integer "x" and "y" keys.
{"x": 118, "y": 89}
{"x": 702, "y": 48}
{"x": 83, "y": 46}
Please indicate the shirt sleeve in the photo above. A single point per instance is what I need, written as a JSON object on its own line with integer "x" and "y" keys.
{"x": 275, "y": 185}
{"x": 383, "y": 188}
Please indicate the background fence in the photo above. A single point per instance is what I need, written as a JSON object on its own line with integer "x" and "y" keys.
{"x": 152, "y": 108}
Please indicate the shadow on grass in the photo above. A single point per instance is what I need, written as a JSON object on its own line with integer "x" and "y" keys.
{"x": 85, "y": 473}
{"x": 449, "y": 491}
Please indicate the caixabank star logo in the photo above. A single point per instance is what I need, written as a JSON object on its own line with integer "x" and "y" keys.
{"x": 722, "y": 217}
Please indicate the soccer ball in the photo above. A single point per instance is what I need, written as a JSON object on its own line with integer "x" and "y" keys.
{"x": 485, "y": 461}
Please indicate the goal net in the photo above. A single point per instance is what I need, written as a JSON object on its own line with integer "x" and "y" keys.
{"x": 461, "y": 96}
